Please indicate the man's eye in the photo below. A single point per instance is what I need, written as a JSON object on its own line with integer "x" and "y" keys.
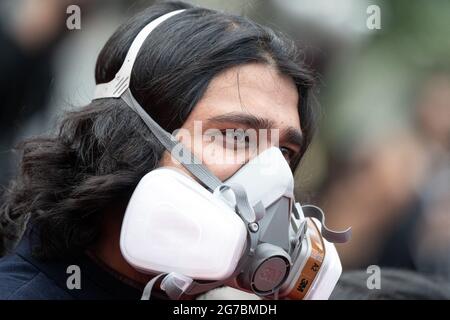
{"x": 287, "y": 153}
{"x": 235, "y": 139}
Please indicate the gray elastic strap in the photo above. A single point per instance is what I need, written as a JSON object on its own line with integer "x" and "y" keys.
{"x": 187, "y": 159}
{"x": 330, "y": 235}
{"x": 119, "y": 87}
{"x": 173, "y": 291}
{"x": 197, "y": 288}
{"x": 260, "y": 211}
{"x": 245, "y": 210}
{"x": 146, "y": 295}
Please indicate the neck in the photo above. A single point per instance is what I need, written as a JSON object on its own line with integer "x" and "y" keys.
{"x": 106, "y": 251}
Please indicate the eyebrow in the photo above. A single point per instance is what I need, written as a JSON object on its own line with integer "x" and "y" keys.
{"x": 289, "y": 134}
{"x": 244, "y": 119}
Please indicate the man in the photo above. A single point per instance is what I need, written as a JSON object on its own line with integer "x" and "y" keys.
{"x": 200, "y": 66}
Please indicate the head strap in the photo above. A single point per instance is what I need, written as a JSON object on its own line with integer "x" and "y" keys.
{"x": 121, "y": 82}
{"x": 119, "y": 87}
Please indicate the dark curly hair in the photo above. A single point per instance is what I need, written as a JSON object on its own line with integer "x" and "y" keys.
{"x": 101, "y": 151}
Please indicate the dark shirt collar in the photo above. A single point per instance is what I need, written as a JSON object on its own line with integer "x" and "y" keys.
{"x": 96, "y": 282}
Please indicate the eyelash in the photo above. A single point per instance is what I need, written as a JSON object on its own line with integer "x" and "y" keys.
{"x": 290, "y": 155}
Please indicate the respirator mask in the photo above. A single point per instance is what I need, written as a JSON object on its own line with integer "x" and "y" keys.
{"x": 246, "y": 232}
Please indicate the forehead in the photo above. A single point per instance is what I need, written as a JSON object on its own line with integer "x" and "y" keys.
{"x": 254, "y": 88}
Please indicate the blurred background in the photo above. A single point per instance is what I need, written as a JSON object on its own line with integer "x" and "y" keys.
{"x": 381, "y": 160}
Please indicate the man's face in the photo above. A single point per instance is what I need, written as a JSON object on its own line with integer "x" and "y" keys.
{"x": 253, "y": 99}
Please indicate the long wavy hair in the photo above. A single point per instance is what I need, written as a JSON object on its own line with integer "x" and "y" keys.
{"x": 101, "y": 151}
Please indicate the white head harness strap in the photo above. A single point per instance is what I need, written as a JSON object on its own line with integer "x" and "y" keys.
{"x": 119, "y": 87}
{"x": 121, "y": 82}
